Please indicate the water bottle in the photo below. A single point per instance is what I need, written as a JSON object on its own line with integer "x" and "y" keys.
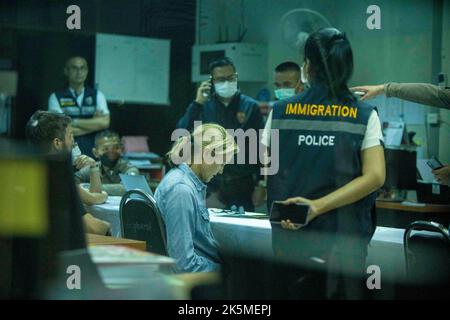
{"x": 76, "y": 152}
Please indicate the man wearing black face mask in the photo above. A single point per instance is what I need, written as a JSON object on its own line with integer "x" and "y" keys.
{"x": 108, "y": 149}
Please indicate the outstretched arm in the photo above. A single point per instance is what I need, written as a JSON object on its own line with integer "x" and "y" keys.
{"x": 424, "y": 93}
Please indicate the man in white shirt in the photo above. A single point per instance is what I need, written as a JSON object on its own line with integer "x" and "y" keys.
{"x": 86, "y": 106}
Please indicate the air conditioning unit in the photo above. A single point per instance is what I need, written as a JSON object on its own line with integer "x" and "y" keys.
{"x": 250, "y": 60}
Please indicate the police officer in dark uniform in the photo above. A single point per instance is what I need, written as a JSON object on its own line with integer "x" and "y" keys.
{"x": 219, "y": 101}
{"x": 86, "y": 106}
{"x": 331, "y": 158}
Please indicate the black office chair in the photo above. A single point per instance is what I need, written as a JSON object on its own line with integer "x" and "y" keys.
{"x": 141, "y": 220}
{"x": 427, "y": 258}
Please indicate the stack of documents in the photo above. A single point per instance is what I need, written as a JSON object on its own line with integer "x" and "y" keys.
{"x": 121, "y": 267}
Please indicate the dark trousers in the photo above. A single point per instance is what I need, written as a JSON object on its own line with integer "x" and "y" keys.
{"x": 301, "y": 260}
{"x": 347, "y": 275}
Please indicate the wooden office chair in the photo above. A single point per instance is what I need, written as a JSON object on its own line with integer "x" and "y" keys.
{"x": 141, "y": 220}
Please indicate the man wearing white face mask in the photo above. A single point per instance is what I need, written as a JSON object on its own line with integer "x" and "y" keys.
{"x": 219, "y": 101}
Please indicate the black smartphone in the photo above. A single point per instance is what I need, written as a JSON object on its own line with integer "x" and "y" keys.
{"x": 210, "y": 93}
{"x": 434, "y": 163}
{"x": 296, "y": 213}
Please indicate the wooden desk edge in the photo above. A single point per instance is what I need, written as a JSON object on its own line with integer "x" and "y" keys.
{"x": 95, "y": 239}
{"x": 428, "y": 208}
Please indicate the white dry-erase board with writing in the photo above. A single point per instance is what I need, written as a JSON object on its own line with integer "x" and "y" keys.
{"x": 132, "y": 69}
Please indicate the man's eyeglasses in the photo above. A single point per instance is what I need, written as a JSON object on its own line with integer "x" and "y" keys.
{"x": 230, "y": 78}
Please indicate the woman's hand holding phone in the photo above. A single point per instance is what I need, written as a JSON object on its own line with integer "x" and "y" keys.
{"x": 203, "y": 92}
{"x": 312, "y": 213}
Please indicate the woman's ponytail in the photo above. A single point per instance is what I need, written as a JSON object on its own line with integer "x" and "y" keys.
{"x": 340, "y": 63}
{"x": 330, "y": 61}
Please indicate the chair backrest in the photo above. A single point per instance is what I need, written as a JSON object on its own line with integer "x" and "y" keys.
{"x": 135, "y": 144}
{"x": 427, "y": 244}
{"x": 141, "y": 220}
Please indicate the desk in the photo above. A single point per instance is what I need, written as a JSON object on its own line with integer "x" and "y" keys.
{"x": 385, "y": 249}
{"x": 401, "y": 214}
{"x": 94, "y": 239}
{"x": 414, "y": 207}
{"x": 255, "y": 235}
{"x": 108, "y": 211}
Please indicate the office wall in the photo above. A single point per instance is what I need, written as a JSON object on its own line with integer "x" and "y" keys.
{"x": 396, "y": 52}
{"x": 35, "y": 38}
{"x": 444, "y": 133}
{"x": 402, "y": 51}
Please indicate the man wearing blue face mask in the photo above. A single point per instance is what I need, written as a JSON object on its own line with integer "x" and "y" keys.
{"x": 219, "y": 101}
{"x": 288, "y": 81}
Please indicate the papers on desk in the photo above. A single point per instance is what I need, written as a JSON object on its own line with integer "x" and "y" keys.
{"x": 145, "y": 164}
{"x": 123, "y": 267}
{"x": 243, "y": 216}
{"x": 141, "y": 155}
{"x": 413, "y": 204}
{"x": 394, "y": 133}
{"x": 140, "y": 164}
{"x": 250, "y": 215}
{"x": 110, "y": 254}
{"x": 386, "y": 236}
{"x": 425, "y": 172}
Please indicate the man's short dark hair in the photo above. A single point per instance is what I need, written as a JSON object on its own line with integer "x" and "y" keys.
{"x": 76, "y": 57}
{"x": 106, "y": 134}
{"x": 287, "y": 66}
{"x": 221, "y": 62}
{"x": 44, "y": 126}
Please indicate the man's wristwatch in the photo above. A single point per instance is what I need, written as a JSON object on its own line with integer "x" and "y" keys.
{"x": 94, "y": 167}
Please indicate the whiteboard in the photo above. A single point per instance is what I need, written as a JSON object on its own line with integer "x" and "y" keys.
{"x": 132, "y": 69}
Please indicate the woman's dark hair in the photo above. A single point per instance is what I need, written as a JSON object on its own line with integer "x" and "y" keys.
{"x": 330, "y": 61}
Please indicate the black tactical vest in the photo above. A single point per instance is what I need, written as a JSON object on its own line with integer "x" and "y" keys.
{"x": 70, "y": 107}
{"x": 320, "y": 143}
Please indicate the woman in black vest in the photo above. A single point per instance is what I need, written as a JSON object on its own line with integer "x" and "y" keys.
{"x": 331, "y": 158}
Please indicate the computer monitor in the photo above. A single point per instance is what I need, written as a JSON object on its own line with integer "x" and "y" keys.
{"x": 132, "y": 182}
{"x": 401, "y": 170}
{"x": 401, "y": 174}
